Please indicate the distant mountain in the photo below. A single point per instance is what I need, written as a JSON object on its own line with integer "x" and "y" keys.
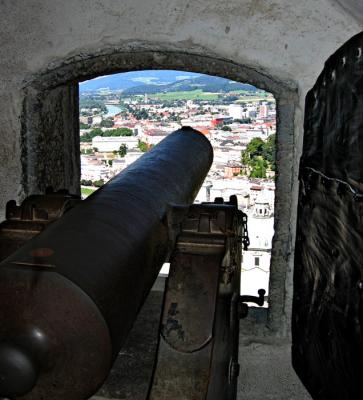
{"x": 128, "y": 80}
{"x": 206, "y": 83}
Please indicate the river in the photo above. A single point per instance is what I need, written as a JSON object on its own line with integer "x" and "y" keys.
{"x": 112, "y": 110}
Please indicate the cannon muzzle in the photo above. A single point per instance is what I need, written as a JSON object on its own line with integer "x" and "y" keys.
{"x": 70, "y": 295}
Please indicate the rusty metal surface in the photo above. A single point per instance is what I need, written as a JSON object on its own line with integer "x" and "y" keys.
{"x": 328, "y": 276}
{"x": 46, "y": 207}
{"x": 198, "y": 349}
{"x": 187, "y": 323}
{"x": 110, "y": 249}
{"x": 185, "y": 376}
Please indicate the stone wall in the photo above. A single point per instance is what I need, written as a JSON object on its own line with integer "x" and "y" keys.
{"x": 48, "y": 46}
{"x": 286, "y": 41}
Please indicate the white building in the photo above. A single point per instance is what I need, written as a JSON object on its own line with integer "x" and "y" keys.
{"x": 204, "y": 192}
{"x": 256, "y": 260}
{"x": 118, "y": 164}
{"x": 264, "y": 202}
{"x": 263, "y": 112}
{"x": 154, "y": 137}
{"x": 262, "y": 209}
{"x": 113, "y": 143}
{"x": 251, "y": 111}
{"x": 235, "y": 111}
{"x": 227, "y": 187}
{"x": 96, "y": 120}
{"x": 93, "y": 170}
{"x": 132, "y": 156}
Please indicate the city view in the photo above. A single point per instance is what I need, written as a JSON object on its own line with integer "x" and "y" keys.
{"x": 124, "y": 115}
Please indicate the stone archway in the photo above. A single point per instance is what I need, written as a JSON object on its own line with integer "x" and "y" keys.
{"x": 50, "y": 136}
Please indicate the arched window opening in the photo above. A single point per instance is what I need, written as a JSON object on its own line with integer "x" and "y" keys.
{"x": 124, "y": 115}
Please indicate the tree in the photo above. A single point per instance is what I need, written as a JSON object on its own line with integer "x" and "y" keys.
{"x": 88, "y": 136}
{"x": 119, "y": 132}
{"x": 259, "y": 166}
{"x": 226, "y": 128}
{"x": 107, "y": 123}
{"x": 99, "y": 183}
{"x": 142, "y": 114}
{"x": 143, "y": 146}
{"x": 259, "y": 156}
{"x": 269, "y": 151}
{"x": 255, "y": 147}
{"x": 86, "y": 182}
{"x": 122, "y": 150}
{"x": 91, "y": 103}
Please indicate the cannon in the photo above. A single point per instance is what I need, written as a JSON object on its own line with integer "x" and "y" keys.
{"x": 69, "y": 295}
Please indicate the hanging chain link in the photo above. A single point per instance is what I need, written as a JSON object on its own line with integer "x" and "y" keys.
{"x": 245, "y": 238}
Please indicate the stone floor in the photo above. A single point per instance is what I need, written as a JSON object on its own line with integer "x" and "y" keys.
{"x": 266, "y": 371}
{"x": 131, "y": 373}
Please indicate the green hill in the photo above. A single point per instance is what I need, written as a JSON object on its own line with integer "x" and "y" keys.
{"x": 205, "y": 83}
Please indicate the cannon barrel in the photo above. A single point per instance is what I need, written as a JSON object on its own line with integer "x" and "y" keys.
{"x": 69, "y": 296}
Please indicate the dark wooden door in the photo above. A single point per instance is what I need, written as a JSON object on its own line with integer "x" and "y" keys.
{"x": 327, "y": 317}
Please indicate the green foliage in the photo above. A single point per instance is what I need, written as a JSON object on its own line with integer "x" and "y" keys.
{"x": 85, "y": 192}
{"x": 118, "y": 132}
{"x": 253, "y": 149}
{"x": 259, "y": 166}
{"x": 197, "y": 94}
{"x": 83, "y": 126}
{"x": 226, "y": 128}
{"x": 269, "y": 151}
{"x": 259, "y": 156}
{"x": 143, "y": 146}
{"x": 244, "y": 121}
{"x": 87, "y": 151}
{"x": 90, "y": 103}
{"x": 107, "y": 123}
{"x": 88, "y": 136}
{"x": 230, "y": 99}
{"x": 141, "y": 114}
{"x": 86, "y": 182}
{"x": 96, "y": 132}
{"x": 122, "y": 150}
{"x": 99, "y": 183}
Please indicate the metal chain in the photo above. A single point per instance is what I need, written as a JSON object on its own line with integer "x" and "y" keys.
{"x": 245, "y": 238}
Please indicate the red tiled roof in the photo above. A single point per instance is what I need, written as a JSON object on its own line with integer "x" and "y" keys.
{"x": 256, "y": 187}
